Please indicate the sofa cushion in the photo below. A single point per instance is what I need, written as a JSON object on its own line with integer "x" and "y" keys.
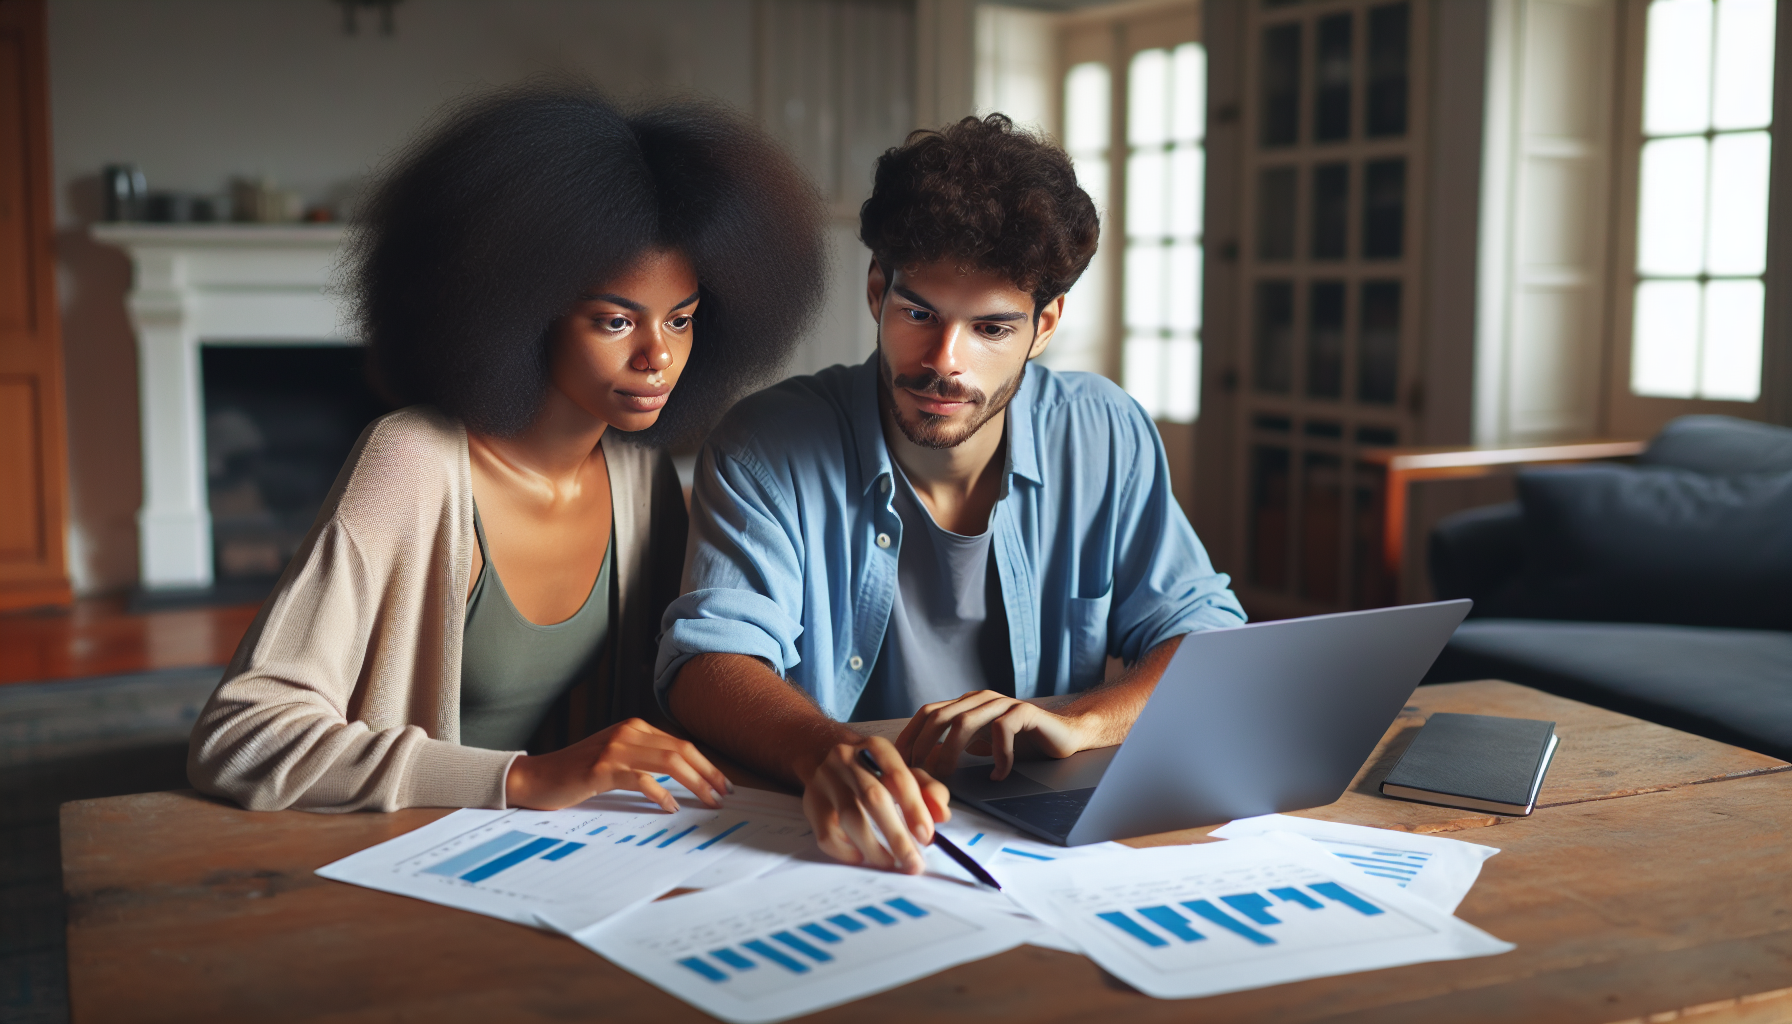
{"x": 1721, "y": 446}
{"x": 1652, "y": 544}
{"x": 1733, "y": 685}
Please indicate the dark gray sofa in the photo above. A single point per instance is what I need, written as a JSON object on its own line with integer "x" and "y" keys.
{"x": 1661, "y": 589}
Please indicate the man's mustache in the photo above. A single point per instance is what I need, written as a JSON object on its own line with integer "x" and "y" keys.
{"x": 943, "y": 388}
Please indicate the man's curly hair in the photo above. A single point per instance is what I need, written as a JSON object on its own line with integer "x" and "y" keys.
{"x": 987, "y": 195}
{"x": 486, "y": 230}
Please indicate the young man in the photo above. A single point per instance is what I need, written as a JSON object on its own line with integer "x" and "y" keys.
{"x": 943, "y": 531}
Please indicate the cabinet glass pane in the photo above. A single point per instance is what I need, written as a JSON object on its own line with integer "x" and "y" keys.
{"x": 1270, "y": 485}
{"x": 1331, "y": 86}
{"x": 1273, "y": 360}
{"x": 1281, "y": 85}
{"x": 1389, "y": 28}
{"x": 1378, "y": 343}
{"x": 1321, "y": 526}
{"x": 1276, "y": 213}
{"x": 1325, "y": 339}
{"x": 1331, "y": 211}
{"x": 1384, "y": 209}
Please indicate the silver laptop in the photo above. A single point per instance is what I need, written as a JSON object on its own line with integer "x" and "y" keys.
{"x": 1273, "y": 716}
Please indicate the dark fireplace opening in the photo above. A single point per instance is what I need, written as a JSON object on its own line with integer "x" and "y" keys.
{"x": 279, "y": 422}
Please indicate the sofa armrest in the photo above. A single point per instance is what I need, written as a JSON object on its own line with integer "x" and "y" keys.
{"x": 1477, "y": 553}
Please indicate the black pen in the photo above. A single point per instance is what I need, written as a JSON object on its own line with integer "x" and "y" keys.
{"x": 869, "y": 763}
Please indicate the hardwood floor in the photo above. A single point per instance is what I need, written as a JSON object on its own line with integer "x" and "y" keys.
{"x": 99, "y": 636}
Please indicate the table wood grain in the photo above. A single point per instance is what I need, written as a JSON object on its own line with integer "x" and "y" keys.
{"x": 1653, "y": 882}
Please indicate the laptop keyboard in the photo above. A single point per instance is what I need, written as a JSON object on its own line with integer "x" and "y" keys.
{"x": 1053, "y": 813}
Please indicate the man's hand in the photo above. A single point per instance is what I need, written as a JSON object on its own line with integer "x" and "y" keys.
{"x": 627, "y": 755}
{"x": 987, "y": 723}
{"x": 848, "y": 807}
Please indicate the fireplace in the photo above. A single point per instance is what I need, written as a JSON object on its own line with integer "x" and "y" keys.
{"x": 211, "y": 304}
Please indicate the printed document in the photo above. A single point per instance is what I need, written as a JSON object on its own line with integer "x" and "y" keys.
{"x": 801, "y": 940}
{"x": 1183, "y": 921}
{"x": 1437, "y": 870}
{"x": 567, "y": 869}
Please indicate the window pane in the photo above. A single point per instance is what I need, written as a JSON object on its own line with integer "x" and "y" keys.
{"x": 1388, "y": 30}
{"x": 1384, "y": 209}
{"x": 1331, "y": 90}
{"x": 1677, "y": 69}
{"x": 1331, "y": 211}
{"x": 1188, "y": 167}
{"x": 1188, "y": 117}
{"x": 1182, "y": 379}
{"x": 1144, "y": 373}
{"x": 1738, "y": 243}
{"x": 1144, "y": 287}
{"x": 1086, "y": 106}
{"x": 1744, "y": 64}
{"x": 1092, "y": 175}
{"x": 1671, "y": 207}
{"x": 1184, "y": 287}
{"x": 1145, "y": 194}
{"x": 1665, "y": 339}
{"x": 1078, "y": 343}
{"x": 1378, "y": 344}
{"x": 1275, "y": 213}
{"x": 1273, "y": 360}
{"x": 1325, "y": 339}
{"x": 1731, "y": 361}
{"x": 1147, "y": 98}
{"x": 1281, "y": 85}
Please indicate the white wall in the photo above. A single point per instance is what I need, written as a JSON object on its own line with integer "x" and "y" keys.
{"x": 199, "y": 91}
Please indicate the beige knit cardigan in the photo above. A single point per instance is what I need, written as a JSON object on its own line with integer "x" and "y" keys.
{"x": 345, "y": 693}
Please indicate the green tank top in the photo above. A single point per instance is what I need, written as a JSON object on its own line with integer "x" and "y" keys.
{"x": 512, "y": 670}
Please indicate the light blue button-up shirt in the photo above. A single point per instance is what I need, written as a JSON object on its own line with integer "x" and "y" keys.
{"x": 794, "y": 544}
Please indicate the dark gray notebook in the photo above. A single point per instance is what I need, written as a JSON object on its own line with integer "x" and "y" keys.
{"x": 1479, "y": 762}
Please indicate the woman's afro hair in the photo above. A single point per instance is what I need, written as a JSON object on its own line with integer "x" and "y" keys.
{"x": 489, "y": 227}
{"x": 988, "y": 196}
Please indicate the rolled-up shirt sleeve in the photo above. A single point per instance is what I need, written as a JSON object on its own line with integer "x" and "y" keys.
{"x": 1164, "y": 583}
{"x": 742, "y": 590}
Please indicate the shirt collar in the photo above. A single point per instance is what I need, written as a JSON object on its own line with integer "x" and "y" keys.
{"x": 874, "y": 455}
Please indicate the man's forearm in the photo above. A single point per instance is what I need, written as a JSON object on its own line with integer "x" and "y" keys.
{"x": 737, "y": 705}
{"x": 1107, "y": 712}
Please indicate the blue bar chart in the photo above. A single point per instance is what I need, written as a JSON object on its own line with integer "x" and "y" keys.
{"x": 800, "y": 940}
{"x": 1398, "y": 866}
{"x": 1250, "y": 916}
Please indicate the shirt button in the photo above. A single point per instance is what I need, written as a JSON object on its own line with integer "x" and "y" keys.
{"x": 856, "y": 662}
{"x": 883, "y": 540}
{"x": 883, "y": 485}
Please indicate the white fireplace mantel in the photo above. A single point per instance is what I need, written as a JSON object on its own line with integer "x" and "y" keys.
{"x": 239, "y": 284}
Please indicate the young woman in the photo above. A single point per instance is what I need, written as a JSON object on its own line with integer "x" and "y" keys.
{"x": 559, "y": 290}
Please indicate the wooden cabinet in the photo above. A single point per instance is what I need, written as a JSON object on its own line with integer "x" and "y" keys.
{"x": 33, "y": 448}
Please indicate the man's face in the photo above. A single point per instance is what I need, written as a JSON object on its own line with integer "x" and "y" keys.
{"x": 952, "y": 347}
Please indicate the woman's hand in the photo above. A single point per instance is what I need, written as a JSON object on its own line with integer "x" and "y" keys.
{"x": 627, "y": 755}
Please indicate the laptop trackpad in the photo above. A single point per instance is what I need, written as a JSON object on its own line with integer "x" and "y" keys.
{"x": 1081, "y": 770}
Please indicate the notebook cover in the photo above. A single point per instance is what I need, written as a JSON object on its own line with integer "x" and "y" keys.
{"x": 1480, "y": 757}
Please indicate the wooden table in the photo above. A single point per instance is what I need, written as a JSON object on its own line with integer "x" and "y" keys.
{"x": 1654, "y": 882}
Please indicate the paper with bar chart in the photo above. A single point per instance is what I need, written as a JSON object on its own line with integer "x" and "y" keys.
{"x": 1437, "y": 870}
{"x": 801, "y": 940}
{"x": 568, "y": 869}
{"x": 1183, "y": 921}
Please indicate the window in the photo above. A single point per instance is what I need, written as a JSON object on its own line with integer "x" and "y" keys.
{"x": 1165, "y": 164}
{"x": 1162, "y": 163}
{"x": 1702, "y": 199}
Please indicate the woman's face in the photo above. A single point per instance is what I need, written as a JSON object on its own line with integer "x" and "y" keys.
{"x": 618, "y": 352}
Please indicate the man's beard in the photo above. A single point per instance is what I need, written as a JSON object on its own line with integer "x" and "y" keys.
{"x": 932, "y": 431}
